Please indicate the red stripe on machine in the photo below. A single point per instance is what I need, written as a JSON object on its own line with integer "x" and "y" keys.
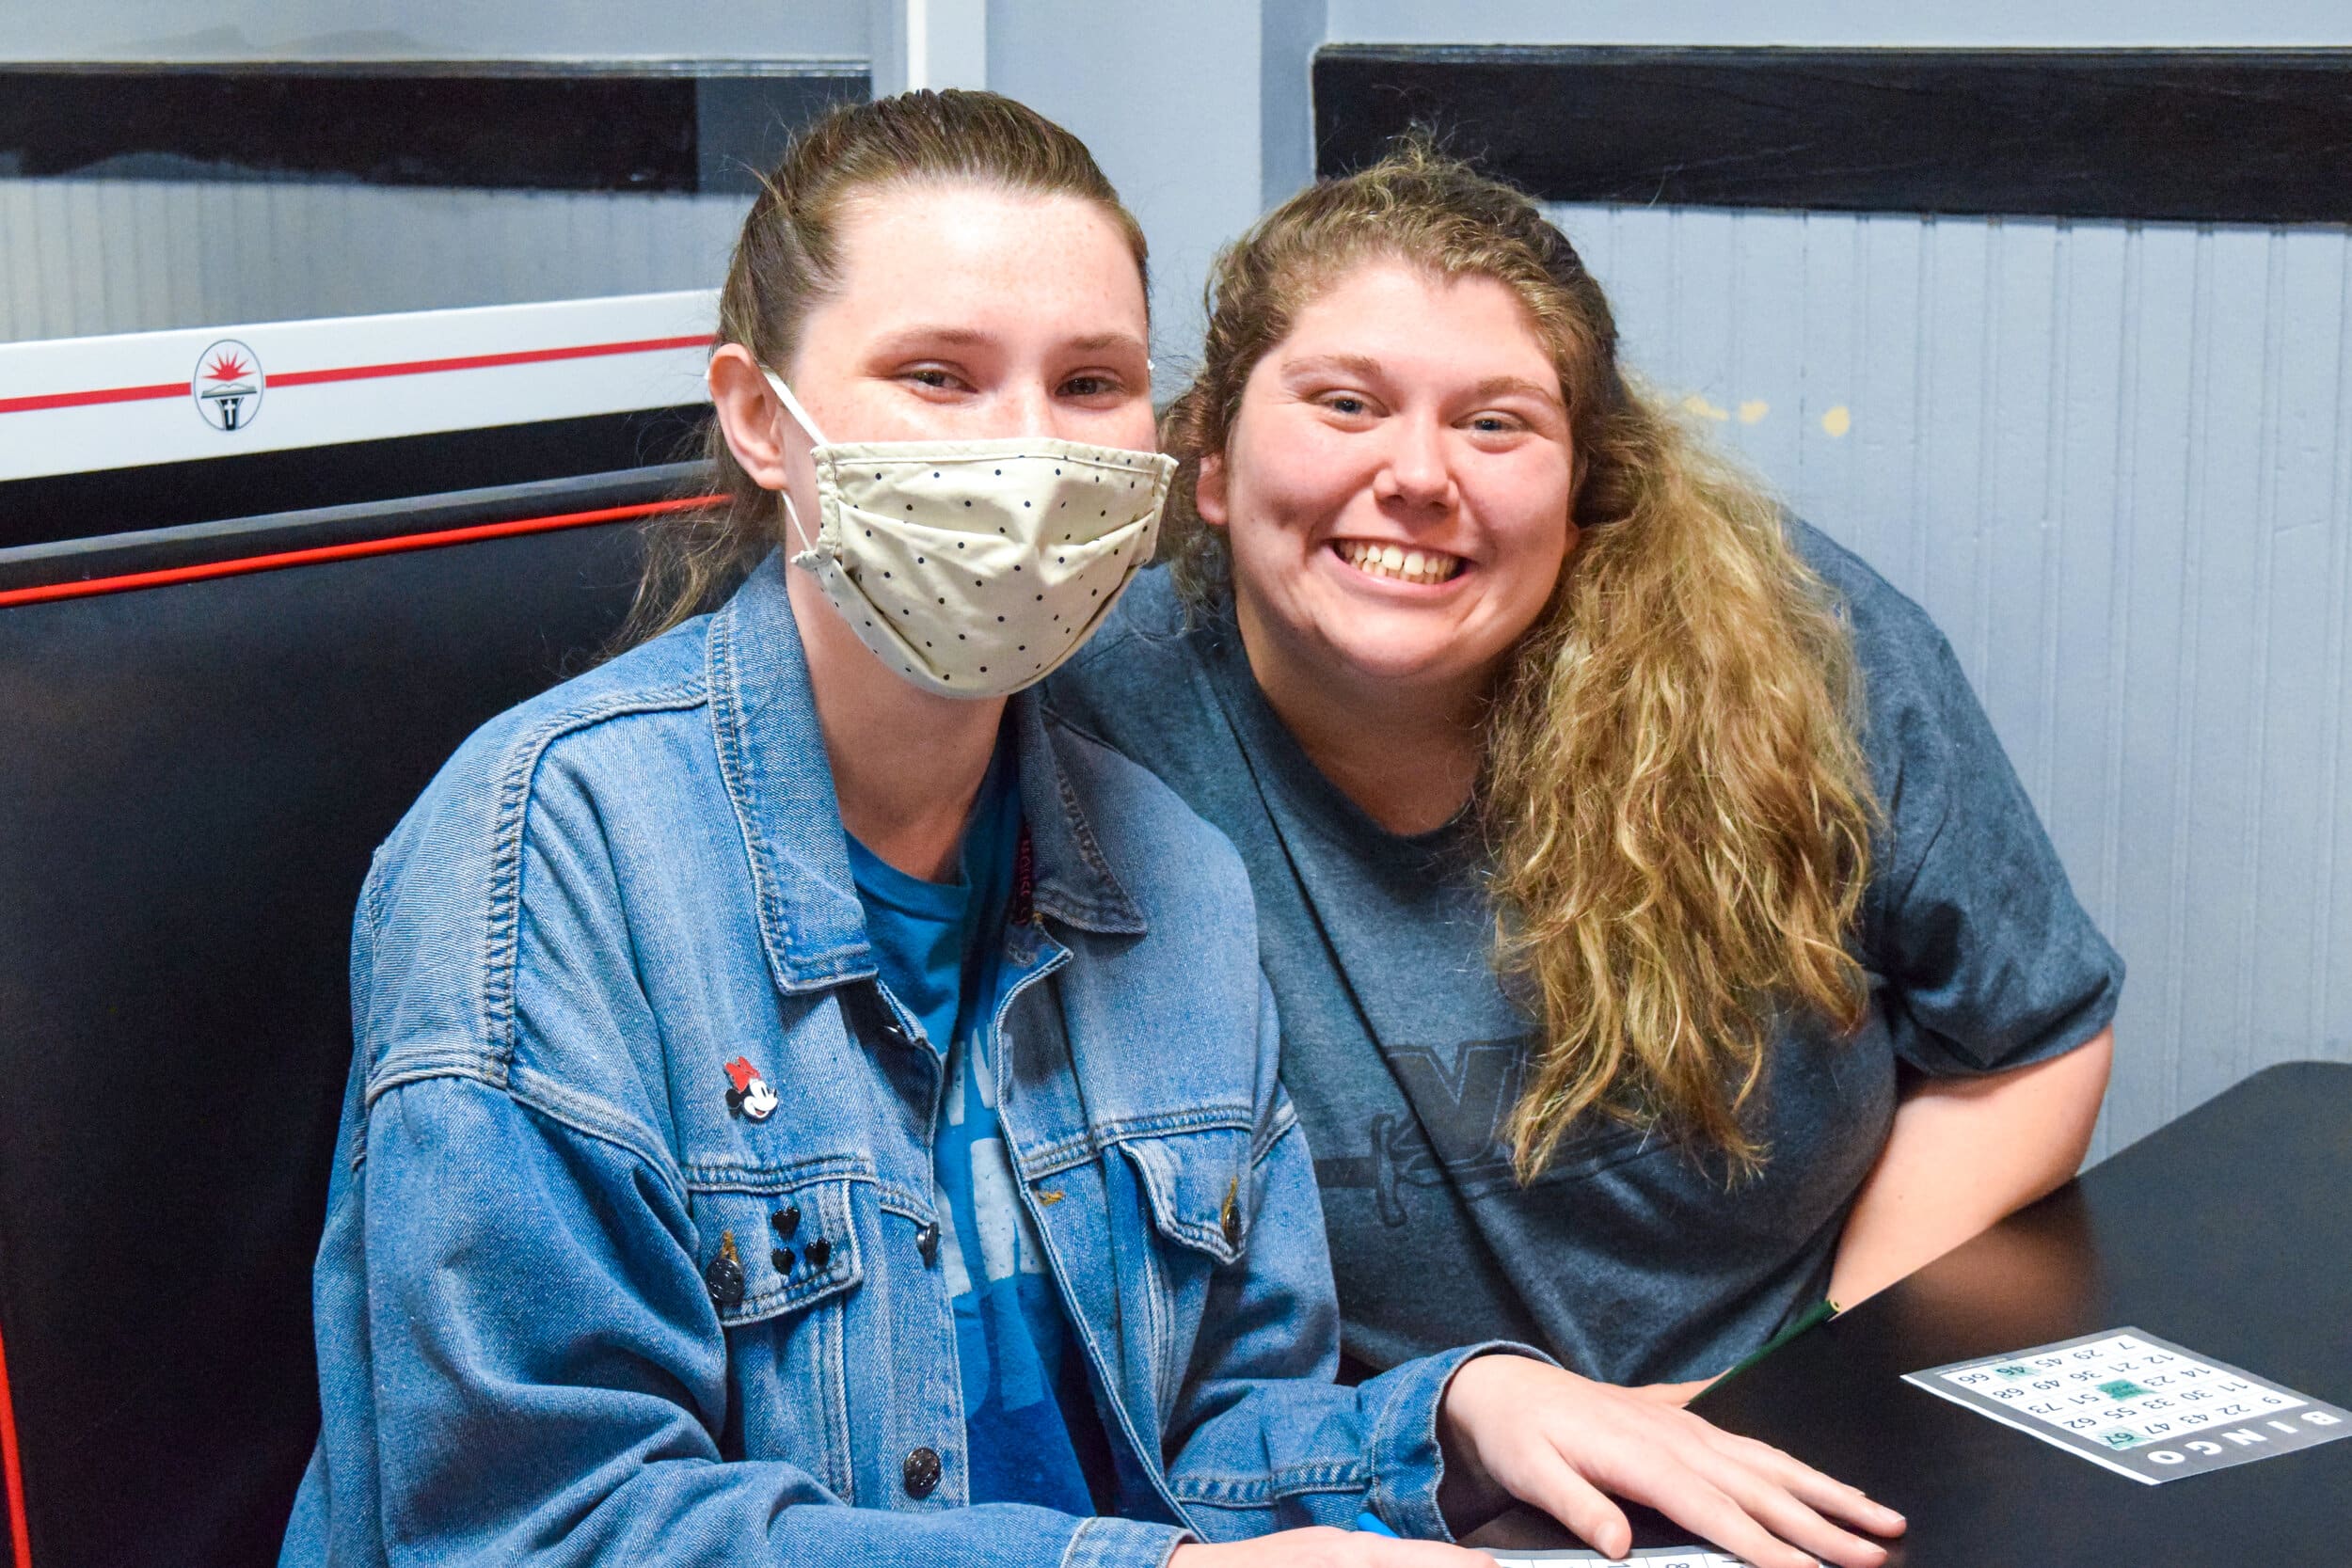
{"x": 244, "y": 564}
{"x": 83, "y": 399}
{"x": 486, "y": 361}
{"x": 13, "y": 1471}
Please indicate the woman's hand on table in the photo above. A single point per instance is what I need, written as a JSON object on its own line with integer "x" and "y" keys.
{"x": 1515, "y": 1428}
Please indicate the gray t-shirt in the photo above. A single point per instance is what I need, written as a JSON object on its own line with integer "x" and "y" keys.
{"x": 1628, "y": 1258}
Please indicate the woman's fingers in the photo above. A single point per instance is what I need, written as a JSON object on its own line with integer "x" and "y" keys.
{"x": 1561, "y": 1443}
{"x": 1790, "y": 1519}
{"x": 1697, "y": 1504}
{"x": 1825, "y": 1495}
{"x": 1746, "y": 1496}
{"x": 1567, "y": 1497}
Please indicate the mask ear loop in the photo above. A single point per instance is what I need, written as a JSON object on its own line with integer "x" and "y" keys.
{"x": 799, "y": 415}
{"x": 792, "y": 407}
{"x": 792, "y": 516}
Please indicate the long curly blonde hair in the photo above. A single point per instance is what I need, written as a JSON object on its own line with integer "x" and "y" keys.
{"x": 1676, "y": 805}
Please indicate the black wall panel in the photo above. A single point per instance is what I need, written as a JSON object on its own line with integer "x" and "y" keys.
{"x": 2208, "y": 136}
{"x": 674, "y": 127}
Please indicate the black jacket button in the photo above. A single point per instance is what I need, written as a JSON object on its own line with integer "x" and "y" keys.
{"x": 724, "y": 1278}
{"x": 786, "y": 1220}
{"x": 819, "y": 1252}
{"x": 920, "y": 1473}
{"x": 927, "y": 1242}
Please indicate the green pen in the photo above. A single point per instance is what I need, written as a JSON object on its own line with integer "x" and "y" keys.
{"x": 1820, "y": 1312}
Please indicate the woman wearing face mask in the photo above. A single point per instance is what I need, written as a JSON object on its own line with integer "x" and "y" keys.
{"x": 801, "y": 1092}
{"x": 1662, "y": 946}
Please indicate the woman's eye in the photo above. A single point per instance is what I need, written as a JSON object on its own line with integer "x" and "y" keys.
{"x": 1494, "y": 424}
{"x": 1090, "y": 387}
{"x": 934, "y": 378}
{"x": 1346, "y": 403}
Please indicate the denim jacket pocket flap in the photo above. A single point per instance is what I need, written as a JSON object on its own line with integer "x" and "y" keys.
{"x": 1199, "y": 1187}
{"x": 789, "y": 1247}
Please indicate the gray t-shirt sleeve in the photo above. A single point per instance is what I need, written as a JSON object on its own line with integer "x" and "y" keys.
{"x": 1984, "y": 959}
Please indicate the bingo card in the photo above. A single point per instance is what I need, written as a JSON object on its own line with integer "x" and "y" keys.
{"x": 2139, "y": 1406}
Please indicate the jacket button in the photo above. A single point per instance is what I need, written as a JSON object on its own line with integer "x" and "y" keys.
{"x": 927, "y": 1242}
{"x": 782, "y": 1259}
{"x": 1228, "y": 1217}
{"x": 819, "y": 1252}
{"x": 786, "y": 1220}
{"x": 724, "y": 1278}
{"x": 920, "y": 1473}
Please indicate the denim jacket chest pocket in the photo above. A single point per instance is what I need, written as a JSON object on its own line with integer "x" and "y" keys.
{"x": 1197, "y": 1190}
{"x": 780, "y": 1253}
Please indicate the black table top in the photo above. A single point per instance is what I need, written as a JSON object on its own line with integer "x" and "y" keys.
{"x": 2228, "y": 1231}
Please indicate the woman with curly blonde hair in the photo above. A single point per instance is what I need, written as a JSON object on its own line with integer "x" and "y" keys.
{"x": 1663, "y": 945}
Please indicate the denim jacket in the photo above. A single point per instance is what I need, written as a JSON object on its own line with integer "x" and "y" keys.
{"x": 530, "y": 1348}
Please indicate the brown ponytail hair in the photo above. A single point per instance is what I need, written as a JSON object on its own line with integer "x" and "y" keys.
{"x": 787, "y": 259}
{"x": 1678, "y": 807}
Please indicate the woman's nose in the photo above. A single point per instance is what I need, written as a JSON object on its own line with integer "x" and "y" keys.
{"x": 1413, "y": 470}
{"x": 1025, "y": 409}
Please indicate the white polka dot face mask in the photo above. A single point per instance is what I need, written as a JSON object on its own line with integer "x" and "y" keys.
{"x": 973, "y": 568}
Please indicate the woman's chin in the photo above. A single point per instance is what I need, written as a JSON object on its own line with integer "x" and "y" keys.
{"x": 1407, "y": 644}
{"x": 1415, "y": 663}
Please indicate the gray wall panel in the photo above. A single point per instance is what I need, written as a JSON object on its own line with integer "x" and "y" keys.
{"x": 431, "y": 29}
{"x": 1168, "y": 99}
{"x": 87, "y": 257}
{"x": 2115, "y": 463}
{"x": 83, "y": 257}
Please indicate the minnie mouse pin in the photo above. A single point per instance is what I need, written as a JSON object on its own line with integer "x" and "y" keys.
{"x": 751, "y": 1097}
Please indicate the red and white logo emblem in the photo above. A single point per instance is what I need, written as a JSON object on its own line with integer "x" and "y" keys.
{"x": 228, "y": 385}
{"x": 751, "y": 1095}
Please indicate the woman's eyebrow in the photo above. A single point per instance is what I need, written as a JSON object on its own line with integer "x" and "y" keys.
{"x": 1361, "y": 366}
{"x": 1094, "y": 343}
{"x": 949, "y": 335}
{"x": 1504, "y": 386}
{"x": 942, "y": 332}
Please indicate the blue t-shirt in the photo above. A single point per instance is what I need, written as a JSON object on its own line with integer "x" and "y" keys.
{"x": 1029, "y": 1417}
{"x": 1630, "y": 1257}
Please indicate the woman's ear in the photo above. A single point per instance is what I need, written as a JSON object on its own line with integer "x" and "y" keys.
{"x": 1208, "y": 490}
{"x": 750, "y": 415}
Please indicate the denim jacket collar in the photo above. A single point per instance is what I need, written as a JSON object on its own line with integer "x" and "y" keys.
{"x": 764, "y": 718}
{"x": 1075, "y": 882}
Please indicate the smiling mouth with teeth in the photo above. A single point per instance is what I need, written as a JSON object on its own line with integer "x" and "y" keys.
{"x": 1396, "y": 563}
